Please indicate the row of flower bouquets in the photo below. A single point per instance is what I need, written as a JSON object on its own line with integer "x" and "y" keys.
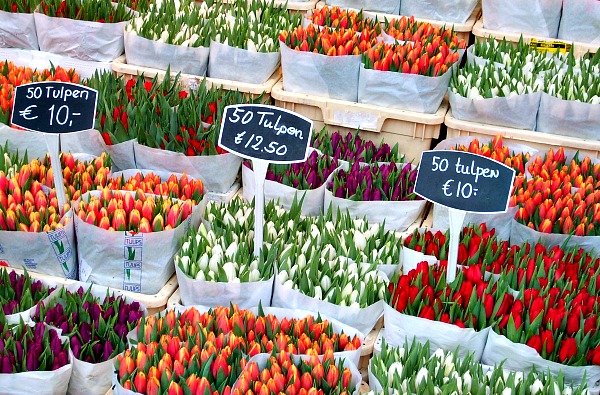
{"x": 332, "y": 263}
{"x": 82, "y": 338}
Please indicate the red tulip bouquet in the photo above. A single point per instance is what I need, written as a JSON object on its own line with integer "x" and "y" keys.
{"x": 138, "y": 235}
{"x": 417, "y": 75}
{"x": 91, "y": 30}
{"x": 97, "y": 323}
{"x": 287, "y": 183}
{"x": 463, "y": 311}
{"x": 18, "y": 24}
{"x": 375, "y": 192}
{"x": 34, "y": 353}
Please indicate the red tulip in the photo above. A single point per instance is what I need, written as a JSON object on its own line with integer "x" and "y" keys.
{"x": 568, "y": 349}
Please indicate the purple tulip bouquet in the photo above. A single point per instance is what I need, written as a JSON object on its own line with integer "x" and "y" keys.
{"x": 380, "y": 192}
{"x": 352, "y": 148}
{"x": 294, "y": 181}
{"x": 19, "y": 293}
{"x": 97, "y": 324}
{"x": 33, "y": 353}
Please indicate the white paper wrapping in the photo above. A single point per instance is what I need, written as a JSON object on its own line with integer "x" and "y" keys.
{"x": 53, "y": 253}
{"x": 568, "y": 118}
{"x": 361, "y": 319}
{"x": 105, "y": 257}
{"x": 520, "y": 234}
{"x": 21, "y": 140}
{"x": 535, "y": 17}
{"x": 91, "y": 142}
{"x": 311, "y": 73}
{"x": 217, "y": 172}
{"x": 54, "y": 382}
{"x": 398, "y": 216}
{"x": 520, "y": 357}
{"x": 141, "y": 51}
{"x": 455, "y": 11}
{"x": 212, "y": 294}
{"x": 580, "y": 21}
{"x": 338, "y": 327}
{"x": 410, "y": 258}
{"x": 386, "y": 6}
{"x": 409, "y": 92}
{"x": 18, "y": 30}
{"x": 401, "y": 327}
{"x": 313, "y": 198}
{"x": 236, "y": 64}
{"x": 83, "y": 40}
{"x": 517, "y": 112}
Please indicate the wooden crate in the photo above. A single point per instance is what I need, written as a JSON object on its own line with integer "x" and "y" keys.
{"x": 538, "y": 140}
{"x": 414, "y": 132}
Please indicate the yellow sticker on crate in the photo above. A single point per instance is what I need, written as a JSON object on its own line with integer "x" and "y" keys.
{"x": 550, "y": 46}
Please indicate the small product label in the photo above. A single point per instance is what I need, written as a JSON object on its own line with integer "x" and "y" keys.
{"x": 550, "y": 46}
{"x": 85, "y": 270}
{"x": 356, "y": 120}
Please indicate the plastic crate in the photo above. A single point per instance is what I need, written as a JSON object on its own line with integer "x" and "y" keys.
{"x": 175, "y": 299}
{"x": 154, "y": 303}
{"x": 538, "y": 140}
{"x": 299, "y": 7}
{"x": 481, "y": 33}
{"x": 191, "y": 82}
{"x": 414, "y": 132}
{"x": 462, "y": 30}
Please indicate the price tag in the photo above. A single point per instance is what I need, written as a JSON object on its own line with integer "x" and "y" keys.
{"x": 54, "y": 107}
{"x": 550, "y": 46}
{"x": 464, "y": 181}
{"x": 265, "y": 134}
{"x": 273, "y": 134}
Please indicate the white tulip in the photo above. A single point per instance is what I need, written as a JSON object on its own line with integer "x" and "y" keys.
{"x": 421, "y": 376}
{"x": 230, "y": 272}
{"x": 288, "y": 284}
{"x": 395, "y": 369}
{"x": 185, "y": 263}
{"x": 213, "y": 262}
{"x": 359, "y": 240}
{"x": 254, "y": 275}
{"x": 282, "y": 277}
{"x": 536, "y": 387}
{"x": 200, "y": 276}
{"x": 231, "y": 250}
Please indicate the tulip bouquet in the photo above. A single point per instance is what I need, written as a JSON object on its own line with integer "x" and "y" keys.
{"x": 339, "y": 18}
{"x": 408, "y": 29}
{"x": 354, "y": 148}
{"x": 432, "y": 59}
{"x": 12, "y": 76}
{"x": 181, "y": 187}
{"x": 417, "y": 369}
{"x": 485, "y": 93}
{"x": 574, "y": 92}
{"x": 326, "y": 41}
{"x": 555, "y": 165}
{"x": 310, "y": 174}
{"x": 124, "y": 211}
{"x": 496, "y": 150}
{"x": 170, "y": 37}
{"x": 102, "y": 11}
{"x": 385, "y": 182}
{"x": 464, "y": 309}
{"x": 19, "y": 292}
{"x": 11, "y": 162}
{"x": 187, "y": 351}
{"x": 97, "y": 326}
{"x": 520, "y": 56}
{"x": 25, "y": 207}
{"x": 279, "y": 372}
{"x": 79, "y": 177}
{"x": 34, "y": 348}
{"x": 246, "y": 38}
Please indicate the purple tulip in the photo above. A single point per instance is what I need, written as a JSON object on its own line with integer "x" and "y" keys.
{"x": 108, "y": 350}
{"x": 7, "y": 366}
{"x": 76, "y": 346}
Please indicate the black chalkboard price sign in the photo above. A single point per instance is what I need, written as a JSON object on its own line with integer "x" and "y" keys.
{"x": 272, "y": 134}
{"x": 464, "y": 181}
{"x": 54, "y": 107}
